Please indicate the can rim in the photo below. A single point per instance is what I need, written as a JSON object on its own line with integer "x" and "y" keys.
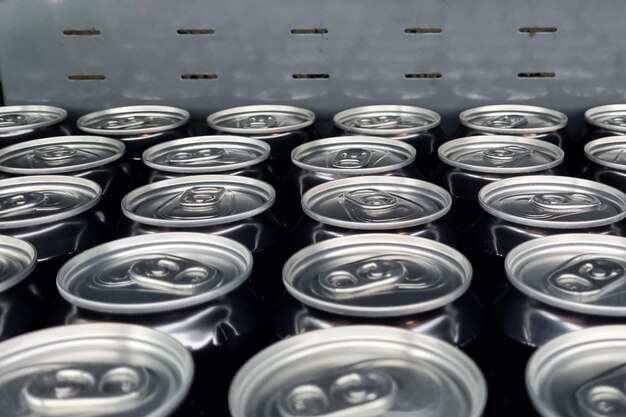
{"x": 528, "y": 250}
{"x": 598, "y": 143}
{"x": 25, "y": 247}
{"x": 545, "y": 358}
{"x": 183, "y": 114}
{"x": 304, "y": 258}
{"x": 65, "y": 179}
{"x": 445, "y": 149}
{"x": 179, "y": 357}
{"x": 331, "y": 187}
{"x": 214, "y": 118}
{"x": 195, "y": 140}
{"x": 133, "y": 196}
{"x": 339, "y": 119}
{"x": 119, "y": 145}
{"x": 494, "y": 187}
{"x": 61, "y": 116}
{"x": 465, "y": 116}
{"x": 270, "y": 360}
{"x": 407, "y": 149}
{"x": 71, "y": 270}
{"x": 590, "y": 113}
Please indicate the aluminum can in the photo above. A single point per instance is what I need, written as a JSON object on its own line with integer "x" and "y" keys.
{"x": 524, "y": 208}
{"x": 112, "y": 370}
{"x": 471, "y": 163}
{"x": 376, "y": 204}
{"x": 139, "y": 127}
{"x": 95, "y": 158}
{"x": 188, "y": 285}
{"x": 602, "y": 122}
{"x": 231, "y": 206}
{"x": 20, "y": 123}
{"x": 282, "y": 127}
{"x": 414, "y": 125}
{"x": 359, "y": 371}
{"x": 606, "y": 161}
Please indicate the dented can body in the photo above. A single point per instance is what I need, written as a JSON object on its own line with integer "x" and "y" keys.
{"x": 21, "y": 123}
{"x": 606, "y": 161}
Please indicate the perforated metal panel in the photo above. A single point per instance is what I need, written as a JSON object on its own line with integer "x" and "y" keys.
{"x": 325, "y": 55}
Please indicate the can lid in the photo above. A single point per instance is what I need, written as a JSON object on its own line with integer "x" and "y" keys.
{"x": 386, "y": 120}
{"x": 59, "y": 155}
{"x": 112, "y": 370}
{"x": 154, "y": 273}
{"x": 609, "y": 152}
{"x": 611, "y": 117}
{"x": 513, "y": 119}
{"x": 31, "y": 201}
{"x": 137, "y": 120}
{"x": 580, "y": 374}
{"x": 501, "y": 154}
{"x": 553, "y": 202}
{"x": 376, "y": 203}
{"x": 17, "y": 261}
{"x": 195, "y": 201}
{"x": 377, "y": 275}
{"x": 358, "y": 371}
{"x": 261, "y": 119}
{"x": 583, "y": 273}
{"x": 18, "y": 118}
{"x": 206, "y": 154}
{"x": 353, "y": 155}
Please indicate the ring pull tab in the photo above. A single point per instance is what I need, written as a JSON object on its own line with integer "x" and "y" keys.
{"x": 378, "y": 122}
{"x": 363, "y": 276}
{"x": 170, "y": 273}
{"x": 351, "y": 158}
{"x": 54, "y": 153}
{"x": 605, "y": 395}
{"x": 616, "y": 121}
{"x": 21, "y": 203}
{"x": 74, "y": 390}
{"x": 195, "y": 157}
{"x": 587, "y": 278}
{"x": 347, "y": 393}
{"x": 201, "y": 197}
{"x": 371, "y": 205}
{"x": 566, "y": 202}
{"x": 260, "y": 121}
{"x": 13, "y": 119}
{"x": 126, "y": 122}
{"x": 508, "y": 121}
{"x": 372, "y": 199}
{"x": 507, "y": 153}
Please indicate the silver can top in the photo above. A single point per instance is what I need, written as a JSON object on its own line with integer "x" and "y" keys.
{"x": 353, "y": 155}
{"x": 553, "y": 202}
{"x": 386, "y": 120}
{"x": 583, "y": 273}
{"x": 359, "y": 371}
{"x": 95, "y": 370}
{"x": 261, "y": 119}
{"x": 18, "y": 259}
{"x": 206, "y": 154}
{"x": 611, "y": 117}
{"x": 376, "y": 203}
{"x": 512, "y": 119}
{"x": 377, "y": 275}
{"x": 609, "y": 152}
{"x": 133, "y": 120}
{"x": 31, "y": 201}
{"x": 196, "y": 201}
{"x": 59, "y": 155}
{"x": 154, "y": 273}
{"x": 18, "y": 118}
{"x": 501, "y": 154}
{"x": 580, "y": 374}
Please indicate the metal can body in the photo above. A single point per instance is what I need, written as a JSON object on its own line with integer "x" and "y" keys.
{"x": 414, "y": 125}
{"x": 605, "y": 163}
{"x": 21, "y": 123}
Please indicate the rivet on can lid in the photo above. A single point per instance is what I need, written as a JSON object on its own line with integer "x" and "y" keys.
{"x": 513, "y": 119}
{"x": 133, "y": 120}
{"x": 386, "y": 120}
{"x": 261, "y": 119}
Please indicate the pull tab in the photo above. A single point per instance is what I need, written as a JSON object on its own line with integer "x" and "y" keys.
{"x": 77, "y": 389}
{"x": 376, "y": 206}
{"x": 508, "y": 121}
{"x": 195, "y": 157}
{"x": 566, "y": 202}
{"x": 605, "y": 395}
{"x": 260, "y": 121}
{"x": 201, "y": 197}
{"x": 616, "y": 121}
{"x": 171, "y": 273}
{"x": 54, "y": 153}
{"x": 372, "y": 199}
{"x": 378, "y": 122}
{"x": 13, "y": 119}
{"x": 346, "y": 393}
{"x": 20, "y": 203}
{"x": 352, "y": 158}
{"x": 587, "y": 278}
{"x": 507, "y": 153}
{"x": 126, "y": 122}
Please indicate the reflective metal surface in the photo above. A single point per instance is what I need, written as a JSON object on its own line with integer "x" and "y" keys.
{"x": 513, "y": 119}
